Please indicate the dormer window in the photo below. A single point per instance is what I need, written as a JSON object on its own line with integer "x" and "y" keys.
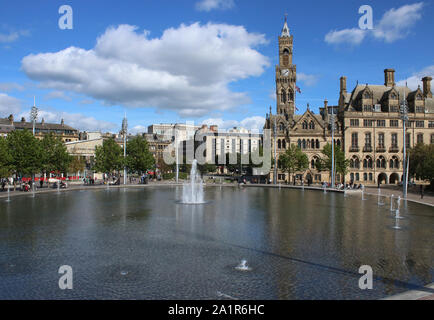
{"x": 393, "y": 96}
{"x": 418, "y": 97}
{"x": 304, "y": 125}
{"x": 367, "y": 95}
{"x": 311, "y": 125}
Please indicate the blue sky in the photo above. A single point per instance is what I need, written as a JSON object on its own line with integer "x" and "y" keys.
{"x": 204, "y": 60}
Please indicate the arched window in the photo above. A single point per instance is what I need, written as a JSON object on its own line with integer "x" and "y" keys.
{"x": 305, "y": 124}
{"x": 283, "y": 144}
{"x": 312, "y": 164}
{"x": 357, "y": 177}
{"x": 311, "y": 125}
{"x": 317, "y": 143}
{"x": 394, "y": 163}
{"x": 354, "y": 162}
{"x": 381, "y": 162}
{"x": 312, "y": 143}
{"x": 339, "y": 143}
{"x": 281, "y": 127}
{"x": 279, "y": 144}
{"x": 290, "y": 95}
{"x": 304, "y": 144}
{"x": 285, "y": 57}
{"x": 283, "y": 96}
{"x": 367, "y": 162}
{"x": 299, "y": 143}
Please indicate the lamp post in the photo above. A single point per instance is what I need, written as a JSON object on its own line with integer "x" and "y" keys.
{"x": 34, "y": 115}
{"x": 124, "y": 132}
{"x": 404, "y": 116}
{"x": 332, "y": 124}
{"x": 176, "y": 154}
{"x": 275, "y": 153}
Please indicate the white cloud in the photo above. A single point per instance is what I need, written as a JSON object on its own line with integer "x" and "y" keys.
{"x": 395, "y": 24}
{"x": 138, "y": 129}
{"x": 308, "y": 79}
{"x": 255, "y": 123}
{"x": 57, "y": 95}
{"x": 416, "y": 78}
{"x": 12, "y": 36}
{"x": 10, "y": 86}
{"x": 352, "y": 36}
{"x": 9, "y": 105}
{"x": 75, "y": 120}
{"x": 208, "y": 5}
{"x": 188, "y": 69}
{"x": 86, "y": 101}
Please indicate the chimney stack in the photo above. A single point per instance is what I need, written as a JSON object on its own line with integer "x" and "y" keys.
{"x": 62, "y": 123}
{"x": 325, "y": 104}
{"x": 11, "y": 119}
{"x": 389, "y": 77}
{"x": 427, "y": 87}
{"x": 23, "y": 119}
{"x": 343, "y": 84}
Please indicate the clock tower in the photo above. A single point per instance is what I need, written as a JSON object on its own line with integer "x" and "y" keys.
{"x": 285, "y": 76}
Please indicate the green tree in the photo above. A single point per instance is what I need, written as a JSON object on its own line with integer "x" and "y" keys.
{"x": 108, "y": 157}
{"x": 293, "y": 160}
{"x": 55, "y": 156}
{"x": 77, "y": 164}
{"x": 325, "y": 163}
{"x": 207, "y": 167}
{"x": 139, "y": 158}
{"x": 5, "y": 159}
{"x": 422, "y": 162}
{"x": 26, "y": 152}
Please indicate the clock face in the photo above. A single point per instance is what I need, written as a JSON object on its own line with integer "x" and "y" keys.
{"x": 285, "y": 72}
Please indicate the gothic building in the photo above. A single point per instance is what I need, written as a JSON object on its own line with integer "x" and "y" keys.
{"x": 368, "y": 124}
{"x": 310, "y": 131}
{"x": 374, "y": 133}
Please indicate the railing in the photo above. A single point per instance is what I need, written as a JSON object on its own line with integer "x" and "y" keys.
{"x": 394, "y": 149}
{"x": 380, "y": 149}
{"x": 367, "y": 149}
{"x": 354, "y": 149}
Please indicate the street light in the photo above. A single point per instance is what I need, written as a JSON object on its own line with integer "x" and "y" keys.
{"x": 403, "y": 109}
{"x": 124, "y": 132}
{"x": 332, "y": 124}
{"x": 34, "y": 115}
{"x": 275, "y": 152}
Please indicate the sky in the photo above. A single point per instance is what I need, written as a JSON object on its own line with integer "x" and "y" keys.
{"x": 207, "y": 61}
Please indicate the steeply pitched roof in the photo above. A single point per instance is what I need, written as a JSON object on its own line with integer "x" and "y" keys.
{"x": 379, "y": 92}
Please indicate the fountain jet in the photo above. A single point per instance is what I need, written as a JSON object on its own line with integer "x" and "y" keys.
{"x": 192, "y": 191}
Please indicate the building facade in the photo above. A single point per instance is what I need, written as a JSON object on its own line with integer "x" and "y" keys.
{"x": 368, "y": 124}
{"x": 374, "y": 131}
{"x": 61, "y": 130}
{"x": 217, "y": 143}
{"x": 310, "y": 131}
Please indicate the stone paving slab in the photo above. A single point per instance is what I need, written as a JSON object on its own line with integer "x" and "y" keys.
{"x": 415, "y": 294}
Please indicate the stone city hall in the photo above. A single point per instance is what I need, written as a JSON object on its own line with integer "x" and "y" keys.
{"x": 368, "y": 124}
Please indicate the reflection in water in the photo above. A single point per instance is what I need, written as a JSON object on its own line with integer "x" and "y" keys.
{"x": 302, "y": 244}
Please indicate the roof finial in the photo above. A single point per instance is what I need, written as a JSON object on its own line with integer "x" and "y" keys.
{"x": 285, "y": 29}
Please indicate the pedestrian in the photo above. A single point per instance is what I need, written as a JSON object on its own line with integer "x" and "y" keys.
{"x": 421, "y": 191}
